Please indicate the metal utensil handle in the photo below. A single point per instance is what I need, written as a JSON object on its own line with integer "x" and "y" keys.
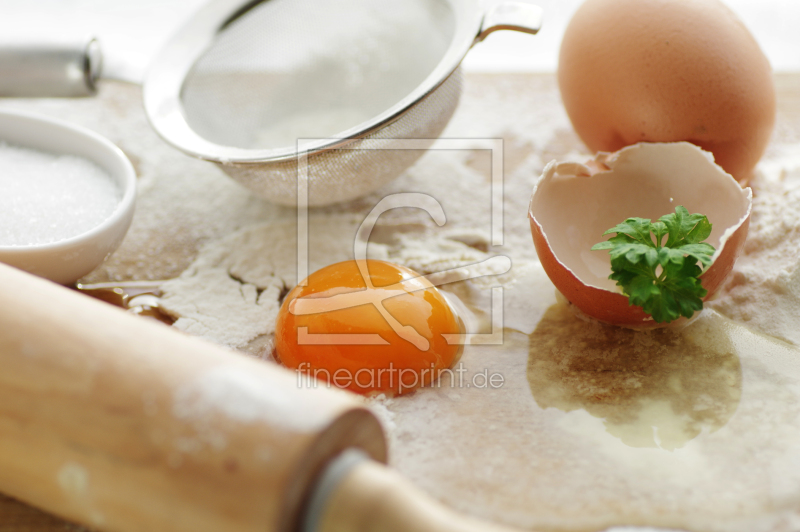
{"x": 511, "y": 15}
{"x": 50, "y": 69}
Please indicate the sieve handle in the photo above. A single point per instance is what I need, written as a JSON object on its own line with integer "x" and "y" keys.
{"x": 54, "y": 68}
{"x": 511, "y": 15}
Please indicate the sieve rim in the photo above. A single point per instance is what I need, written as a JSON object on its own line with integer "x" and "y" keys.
{"x": 165, "y": 77}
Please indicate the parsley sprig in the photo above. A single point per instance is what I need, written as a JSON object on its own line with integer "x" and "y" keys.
{"x": 661, "y": 277}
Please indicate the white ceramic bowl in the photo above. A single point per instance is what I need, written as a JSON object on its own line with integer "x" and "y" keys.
{"x": 68, "y": 260}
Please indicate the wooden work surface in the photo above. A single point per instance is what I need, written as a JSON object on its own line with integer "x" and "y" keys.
{"x": 162, "y": 243}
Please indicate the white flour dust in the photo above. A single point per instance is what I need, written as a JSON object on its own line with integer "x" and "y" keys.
{"x": 763, "y": 291}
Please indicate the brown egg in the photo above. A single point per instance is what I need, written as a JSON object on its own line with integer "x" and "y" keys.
{"x": 573, "y": 204}
{"x": 664, "y": 71}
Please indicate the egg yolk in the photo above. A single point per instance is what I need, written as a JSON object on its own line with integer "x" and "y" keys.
{"x": 368, "y": 326}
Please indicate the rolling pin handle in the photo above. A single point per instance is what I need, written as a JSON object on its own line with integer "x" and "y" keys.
{"x": 356, "y": 494}
{"x": 327, "y": 484}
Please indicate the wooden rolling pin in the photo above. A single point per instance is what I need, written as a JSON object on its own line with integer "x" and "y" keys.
{"x": 124, "y": 424}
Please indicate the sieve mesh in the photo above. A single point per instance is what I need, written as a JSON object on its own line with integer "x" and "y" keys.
{"x": 344, "y": 174}
{"x": 289, "y": 69}
{"x": 243, "y": 80}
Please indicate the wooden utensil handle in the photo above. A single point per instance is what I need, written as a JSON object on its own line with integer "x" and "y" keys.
{"x": 127, "y": 425}
{"x": 374, "y": 498}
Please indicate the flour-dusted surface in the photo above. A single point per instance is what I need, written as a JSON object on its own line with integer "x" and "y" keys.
{"x": 763, "y": 291}
{"x": 592, "y": 427}
{"x": 231, "y": 293}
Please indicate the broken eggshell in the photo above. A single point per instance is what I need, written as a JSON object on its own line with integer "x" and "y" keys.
{"x": 573, "y": 204}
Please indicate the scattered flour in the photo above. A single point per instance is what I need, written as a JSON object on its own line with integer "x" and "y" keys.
{"x": 763, "y": 291}
{"x": 46, "y": 198}
{"x": 73, "y": 480}
{"x": 379, "y": 405}
{"x": 232, "y": 293}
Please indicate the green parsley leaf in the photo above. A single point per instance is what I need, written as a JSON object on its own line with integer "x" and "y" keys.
{"x": 661, "y": 277}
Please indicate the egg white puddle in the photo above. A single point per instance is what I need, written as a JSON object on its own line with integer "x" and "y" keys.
{"x": 697, "y": 430}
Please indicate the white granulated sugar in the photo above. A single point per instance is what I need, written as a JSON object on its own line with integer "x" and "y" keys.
{"x": 46, "y": 198}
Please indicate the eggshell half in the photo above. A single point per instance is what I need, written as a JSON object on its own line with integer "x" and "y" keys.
{"x": 573, "y": 204}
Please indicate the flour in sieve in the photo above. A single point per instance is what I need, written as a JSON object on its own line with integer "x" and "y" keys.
{"x": 305, "y": 125}
{"x": 289, "y": 69}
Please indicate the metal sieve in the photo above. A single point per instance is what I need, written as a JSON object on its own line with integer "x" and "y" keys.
{"x": 254, "y": 86}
